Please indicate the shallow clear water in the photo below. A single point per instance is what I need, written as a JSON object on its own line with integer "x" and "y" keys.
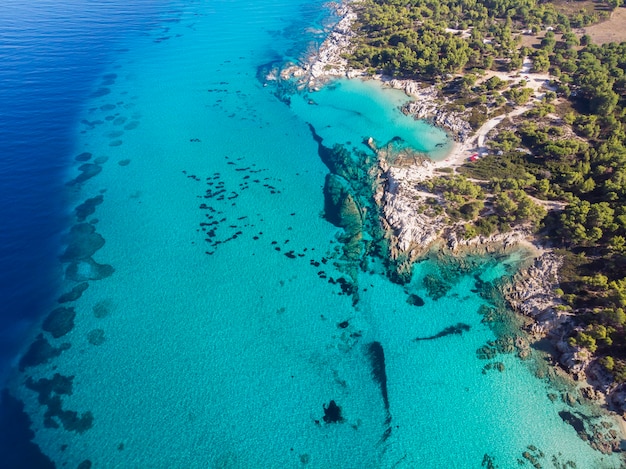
{"x": 220, "y": 332}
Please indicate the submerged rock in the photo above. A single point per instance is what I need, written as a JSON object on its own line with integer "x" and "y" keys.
{"x": 41, "y": 352}
{"x": 415, "y": 300}
{"x": 45, "y": 387}
{"x": 332, "y": 413}
{"x": 457, "y": 329}
{"x": 436, "y": 287}
{"x": 96, "y": 337}
{"x": 74, "y": 294}
{"x": 88, "y": 269}
{"x": 88, "y": 207}
{"x": 102, "y": 309}
{"x": 85, "y": 156}
{"x": 70, "y": 419}
{"x": 379, "y": 372}
{"x": 59, "y": 322}
{"x": 83, "y": 243}
{"x": 87, "y": 171}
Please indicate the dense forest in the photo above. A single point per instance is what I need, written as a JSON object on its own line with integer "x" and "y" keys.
{"x": 570, "y": 148}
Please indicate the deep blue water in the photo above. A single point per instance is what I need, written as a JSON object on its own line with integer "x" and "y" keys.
{"x": 51, "y": 52}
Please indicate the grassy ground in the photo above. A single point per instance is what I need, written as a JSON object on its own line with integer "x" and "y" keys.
{"x": 613, "y": 30}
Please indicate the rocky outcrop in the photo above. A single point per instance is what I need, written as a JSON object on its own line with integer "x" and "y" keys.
{"x": 532, "y": 293}
{"x": 329, "y": 60}
{"x": 427, "y": 105}
{"x": 410, "y": 230}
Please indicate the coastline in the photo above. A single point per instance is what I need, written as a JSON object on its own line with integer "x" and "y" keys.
{"x": 413, "y": 234}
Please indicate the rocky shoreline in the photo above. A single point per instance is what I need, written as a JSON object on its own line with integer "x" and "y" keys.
{"x": 413, "y": 234}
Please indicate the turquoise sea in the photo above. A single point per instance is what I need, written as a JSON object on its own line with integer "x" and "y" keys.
{"x": 206, "y": 314}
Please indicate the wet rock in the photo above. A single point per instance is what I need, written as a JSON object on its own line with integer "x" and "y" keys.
{"x": 86, "y": 464}
{"x": 59, "y": 322}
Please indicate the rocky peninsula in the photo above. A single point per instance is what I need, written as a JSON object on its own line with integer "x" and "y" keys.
{"x": 414, "y": 224}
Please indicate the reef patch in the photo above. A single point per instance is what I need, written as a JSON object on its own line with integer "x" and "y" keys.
{"x": 41, "y": 352}
{"x": 75, "y": 293}
{"x": 59, "y": 322}
{"x": 96, "y": 337}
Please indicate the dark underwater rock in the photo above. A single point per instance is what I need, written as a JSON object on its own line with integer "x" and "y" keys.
{"x": 45, "y": 387}
{"x": 457, "y": 329}
{"x": 376, "y": 355}
{"x": 339, "y": 206}
{"x": 40, "y": 352}
{"x": 85, "y": 156}
{"x": 83, "y": 243}
{"x": 341, "y": 209}
{"x": 436, "y": 287}
{"x": 415, "y": 300}
{"x": 87, "y": 171}
{"x": 332, "y": 413}
{"x": 576, "y": 422}
{"x": 60, "y": 321}
{"x": 70, "y": 419}
{"x": 74, "y": 294}
{"x": 100, "y": 92}
{"x": 102, "y": 309}
{"x": 88, "y": 269}
{"x": 49, "y": 394}
{"x": 96, "y": 337}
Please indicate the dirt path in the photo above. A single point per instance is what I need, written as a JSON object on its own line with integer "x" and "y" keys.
{"x": 476, "y": 143}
